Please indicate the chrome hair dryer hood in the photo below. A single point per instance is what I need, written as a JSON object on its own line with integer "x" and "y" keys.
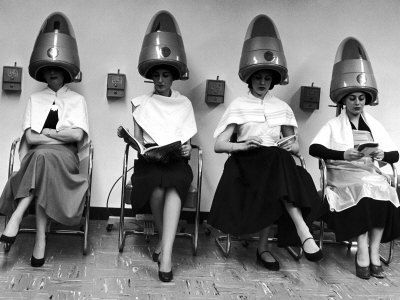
{"x": 352, "y": 72}
{"x": 55, "y": 46}
{"x": 163, "y": 45}
{"x": 262, "y": 49}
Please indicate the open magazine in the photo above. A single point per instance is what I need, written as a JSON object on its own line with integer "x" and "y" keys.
{"x": 286, "y": 140}
{"x": 164, "y": 154}
{"x": 367, "y": 148}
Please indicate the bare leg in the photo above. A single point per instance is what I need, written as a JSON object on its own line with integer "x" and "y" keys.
{"x": 157, "y": 209}
{"x": 362, "y": 250}
{"x": 172, "y": 210}
{"x": 40, "y": 238}
{"x": 263, "y": 245}
{"x": 16, "y": 218}
{"x": 375, "y": 236}
{"x": 301, "y": 227}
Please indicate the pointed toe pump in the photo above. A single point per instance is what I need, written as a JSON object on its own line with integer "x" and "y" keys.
{"x": 316, "y": 256}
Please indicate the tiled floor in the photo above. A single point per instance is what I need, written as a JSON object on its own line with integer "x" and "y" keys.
{"x": 107, "y": 274}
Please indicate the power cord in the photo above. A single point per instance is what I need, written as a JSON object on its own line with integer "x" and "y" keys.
{"x": 112, "y": 187}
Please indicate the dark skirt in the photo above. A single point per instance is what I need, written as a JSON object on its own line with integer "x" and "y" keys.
{"x": 51, "y": 174}
{"x": 251, "y": 191}
{"x": 366, "y": 215}
{"x": 149, "y": 175}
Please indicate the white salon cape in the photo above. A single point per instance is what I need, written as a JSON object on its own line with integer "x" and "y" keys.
{"x": 72, "y": 113}
{"x": 258, "y": 117}
{"x": 165, "y": 120}
{"x": 350, "y": 181}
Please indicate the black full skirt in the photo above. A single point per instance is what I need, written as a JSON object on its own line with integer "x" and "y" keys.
{"x": 149, "y": 175}
{"x": 366, "y": 215}
{"x": 251, "y": 191}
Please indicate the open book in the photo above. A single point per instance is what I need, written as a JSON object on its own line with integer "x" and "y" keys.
{"x": 162, "y": 154}
{"x": 286, "y": 140}
{"x": 367, "y": 148}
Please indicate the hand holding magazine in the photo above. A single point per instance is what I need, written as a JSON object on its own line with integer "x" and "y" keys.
{"x": 367, "y": 148}
{"x": 286, "y": 140}
{"x": 163, "y": 154}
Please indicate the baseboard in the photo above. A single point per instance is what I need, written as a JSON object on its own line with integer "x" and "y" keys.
{"x": 102, "y": 213}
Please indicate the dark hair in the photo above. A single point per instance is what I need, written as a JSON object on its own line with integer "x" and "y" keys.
{"x": 41, "y": 71}
{"x": 174, "y": 71}
{"x": 276, "y": 78}
{"x": 368, "y": 97}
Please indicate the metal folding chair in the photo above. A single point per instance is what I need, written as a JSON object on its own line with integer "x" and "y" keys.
{"x": 324, "y": 185}
{"x": 324, "y": 178}
{"x": 85, "y": 168}
{"x": 228, "y": 238}
{"x": 191, "y": 204}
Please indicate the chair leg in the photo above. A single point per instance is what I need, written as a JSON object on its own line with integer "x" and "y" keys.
{"x": 196, "y": 229}
{"x": 295, "y": 254}
{"x": 321, "y": 234}
{"x": 86, "y": 230}
{"x": 227, "y": 248}
{"x": 387, "y": 260}
{"x": 195, "y": 238}
{"x": 121, "y": 230}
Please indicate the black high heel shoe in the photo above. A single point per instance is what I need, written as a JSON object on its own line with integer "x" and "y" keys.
{"x": 8, "y": 240}
{"x": 362, "y": 272}
{"x": 37, "y": 262}
{"x": 316, "y": 256}
{"x": 155, "y": 256}
{"x": 164, "y": 276}
{"x": 376, "y": 271}
{"x": 270, "y": 265}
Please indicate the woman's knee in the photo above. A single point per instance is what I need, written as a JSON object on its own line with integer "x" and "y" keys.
{"x": 158, "y": 194}
{"x": 171, "y": 192}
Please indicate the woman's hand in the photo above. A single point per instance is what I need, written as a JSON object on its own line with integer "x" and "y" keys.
{"x": 185, "y": 150}
{"x": 287, "y": 146}
{"x": 47, "y": 131}
{"x": 251, "y": 143}
{"x": 377, "y": 154}
{"x": 352, "y": 154}
{"x": 34, "y": 138}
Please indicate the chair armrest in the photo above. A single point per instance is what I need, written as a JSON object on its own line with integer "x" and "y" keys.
{"x": 324, "y": 176}
{"x": 12, "y": 156}
{"x": 301, "y": 159}
{"x": 393, "y": 177}
{"x": 90, "y": 166}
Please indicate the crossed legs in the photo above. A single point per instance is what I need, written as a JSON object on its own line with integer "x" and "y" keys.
{"x": 166, "y": 207}
{"x": 16, "y": 218}
{"x": 302, "y": 231}
{"x": 41, "y": 222}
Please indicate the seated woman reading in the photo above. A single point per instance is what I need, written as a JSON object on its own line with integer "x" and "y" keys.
{"x": 362, "y": 204}
{"x": 261, "y": 183}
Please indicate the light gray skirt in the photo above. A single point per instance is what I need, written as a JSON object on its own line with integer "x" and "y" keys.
{"x": 51, "y": 174}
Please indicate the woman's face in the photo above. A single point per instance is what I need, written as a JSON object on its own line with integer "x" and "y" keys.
{"x": 162, "y": 79}
{"x": 355, "y": 103}
{"x": 261, "y": 82}
{"x": 54, "y": 78}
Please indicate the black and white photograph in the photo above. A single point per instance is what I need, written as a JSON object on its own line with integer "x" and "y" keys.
{"x": 199, "y": 149}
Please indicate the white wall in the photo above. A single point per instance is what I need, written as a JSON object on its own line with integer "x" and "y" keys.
{"x": 110, "y": 33}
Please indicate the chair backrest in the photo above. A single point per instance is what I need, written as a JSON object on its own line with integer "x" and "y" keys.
{"x": 195, "y": 163}
{"x": 86, "y": 160}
